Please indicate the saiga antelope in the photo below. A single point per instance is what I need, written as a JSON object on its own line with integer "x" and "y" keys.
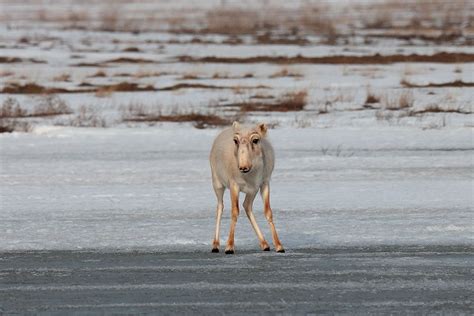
{"x": 242, "y": 160}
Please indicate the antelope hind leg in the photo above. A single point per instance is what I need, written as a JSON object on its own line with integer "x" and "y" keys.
{"x": 265, "y": 190}
{"x": 220, "y": 208}
{"x": 248, "y": 202}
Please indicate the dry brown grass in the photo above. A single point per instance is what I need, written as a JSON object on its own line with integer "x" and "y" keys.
{"x": 324, "y": 107}
{"x": 129, "y": 60}
{"x": 382, "y": 19}
{"x": 142, "y": 114}
{"x": 13, "y": 125}
{"x": 64, "y": 77}
{"x": 434, "y": 20}
{"x": 273, "y": 39}
{"x": 341, "y": 95}
{"x": 302, "y": 122}
{"x": 457, "y": 83}
{"x": 233, "y": 20}
{"x": 11, "y": 60}
{"x": 436, "y": 108}
{"x": 134, "y": 109}
{"x": 261, "y": 95}
{"x": 185, "y": 85}
{"x": 226, "y": 75}
{"x": 47, "y": 105}
{"x": 292, "y": 101}
{"x": 78, "y": 19}
{"x": 286, "y": 72}
{"x": 87, "y": 117}
{"x": 447, "y": 17}
{"x": 311, "y": 18}
{"x": 50, "y": 105}
{"x": 123, "y": 74}
{"x": 119, "y": 60}
{"x": 391, "y": 116}
{"x": 441, "y": 57}
{"x": 30, "y": 88}
{"x": 220, "y": 75}
{"x": 398, "y": 101}
{"x": 107, "y": 90}
{"x": 6, "y": 127}
{"x": 314, "y": 19}
{"x": 143, "y": 73}
{"x": 104, "y": 93}
{"x": 382, "y": 115}
{"x": 406, "y": 99}
{"x": 110, "y": 19}
{"x": 199, "y": 120}
{"x": 239, "y": 90}
{"x": 176, "y": 23}
{"x": 131, "y": 49}
{"x": 12, "y": 108}
{"x": 99, "y": 74}
{"x": 190, "y": 76}
{"x": 371, "y": 98}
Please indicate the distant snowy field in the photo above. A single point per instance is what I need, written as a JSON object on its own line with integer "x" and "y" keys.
{"x": 119, "y": 188}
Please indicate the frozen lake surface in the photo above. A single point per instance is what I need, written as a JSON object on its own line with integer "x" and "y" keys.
{"x": 69, "y": 189}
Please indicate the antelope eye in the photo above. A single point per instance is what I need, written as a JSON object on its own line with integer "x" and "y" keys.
{"x": 236, "y": 141}
{"x": 255, "y": 140}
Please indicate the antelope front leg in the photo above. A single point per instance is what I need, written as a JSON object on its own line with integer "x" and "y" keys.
{"x": 220, "y": 207}
{"x": 234, "y": 199}
{"x": 248, "y": 202}
{"x": 265, "y": 189}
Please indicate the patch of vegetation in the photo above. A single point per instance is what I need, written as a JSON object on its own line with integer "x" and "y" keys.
{"x": 292, "y": 101}
{"x": 454, "y": 84}
{"x": 140, "y": 113}
{"x": 398, "y": 101}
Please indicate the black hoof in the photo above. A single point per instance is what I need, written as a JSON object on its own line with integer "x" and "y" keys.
{"x": 266, "y": 249}
{"x": 215, "y": 250}
{"x": 229, "y": 252}
{"x": 281, "y": 251}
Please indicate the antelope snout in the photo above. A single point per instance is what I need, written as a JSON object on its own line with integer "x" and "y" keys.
{"x": 244, "y": 169}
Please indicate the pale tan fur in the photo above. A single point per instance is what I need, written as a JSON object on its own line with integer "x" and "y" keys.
{"x": 242, "y": 160}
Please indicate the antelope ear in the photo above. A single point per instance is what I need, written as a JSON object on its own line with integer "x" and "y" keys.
{"x": 262, "y": 128}
{"x": 236, "y": 126}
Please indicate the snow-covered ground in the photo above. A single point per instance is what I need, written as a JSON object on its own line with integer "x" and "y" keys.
{"x": 120, "y": 188}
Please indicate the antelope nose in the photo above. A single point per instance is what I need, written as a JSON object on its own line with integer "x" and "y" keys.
{"x": 244, "y": 169}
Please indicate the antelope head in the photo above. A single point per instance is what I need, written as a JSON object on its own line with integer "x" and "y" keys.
{"x": 248, "y": 150}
